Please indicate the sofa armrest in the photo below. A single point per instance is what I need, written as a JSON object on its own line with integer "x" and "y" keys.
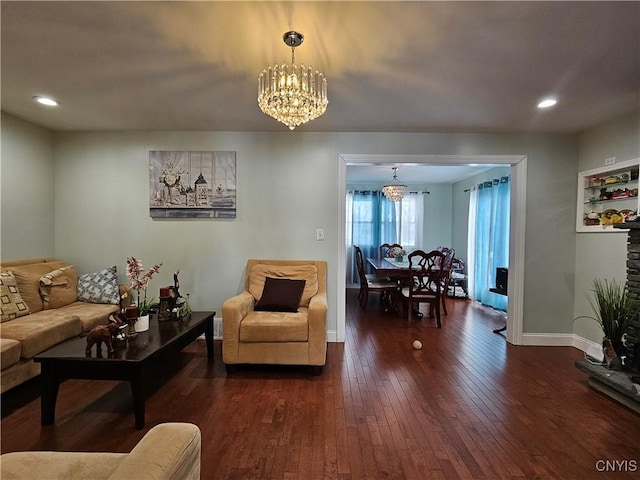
{"x": 234, "y": 309}
{"x": 167, "y": 451}
{"x": 58, "y": 465}
{"x": 318, "y": 329}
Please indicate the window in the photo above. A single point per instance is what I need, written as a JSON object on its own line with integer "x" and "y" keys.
{"x": 373, "y": 220}
{"x": 409, "y": 221}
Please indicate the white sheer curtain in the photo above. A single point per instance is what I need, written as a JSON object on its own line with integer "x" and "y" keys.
{"x": 410, "y": 215}
{"x": 471, "y": 239}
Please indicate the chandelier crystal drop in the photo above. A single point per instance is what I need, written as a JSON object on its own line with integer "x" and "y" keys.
{"x": 395, "y": 190}
{"x": 292, "y": 95}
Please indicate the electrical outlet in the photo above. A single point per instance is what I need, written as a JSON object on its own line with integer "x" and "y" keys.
{"x": 319, "y": 234}
{"x": 610, "y": 161}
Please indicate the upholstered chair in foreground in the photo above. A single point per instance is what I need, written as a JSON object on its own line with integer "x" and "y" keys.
{"x": 169, "y": 451}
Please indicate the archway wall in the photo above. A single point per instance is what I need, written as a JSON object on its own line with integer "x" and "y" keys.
{"x": 547, "y": 181}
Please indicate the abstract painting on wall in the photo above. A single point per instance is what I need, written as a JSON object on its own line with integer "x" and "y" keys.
{"x": 192, "y": 184}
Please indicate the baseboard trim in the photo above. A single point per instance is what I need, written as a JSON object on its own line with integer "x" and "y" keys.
{"x": 548, "y": 339}
{"x": 558, "y": 340}
{"x": 217, "y": 328}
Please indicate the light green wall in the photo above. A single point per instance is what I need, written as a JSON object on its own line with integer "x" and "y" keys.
{"x": 602, "y": 255}
{"x": 27, "y": 198}
{"x": 437, "y": 217}
{"x": 287, "y": 187}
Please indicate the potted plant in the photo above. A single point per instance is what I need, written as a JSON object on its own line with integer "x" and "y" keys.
{"x": 614, "y": 310}
{"x": 139, "y": 280}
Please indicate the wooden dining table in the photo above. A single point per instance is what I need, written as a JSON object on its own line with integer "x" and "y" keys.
{"x": 389, "y": 267}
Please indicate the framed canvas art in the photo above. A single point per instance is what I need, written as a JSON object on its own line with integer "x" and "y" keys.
{"x": 192, "y": 184}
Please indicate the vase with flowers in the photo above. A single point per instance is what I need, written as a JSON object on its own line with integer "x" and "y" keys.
{"x": 139, "y": 281}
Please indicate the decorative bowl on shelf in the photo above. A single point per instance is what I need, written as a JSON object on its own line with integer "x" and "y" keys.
{"x": 611, "y": 217}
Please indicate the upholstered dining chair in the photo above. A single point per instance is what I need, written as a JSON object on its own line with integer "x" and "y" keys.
{"x": 425, "y": 282}
{"x": 372, "y": 283}
{"x": 387, "y": 249}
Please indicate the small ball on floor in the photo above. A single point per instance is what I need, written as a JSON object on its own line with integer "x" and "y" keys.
{"x": 417, "y": 344}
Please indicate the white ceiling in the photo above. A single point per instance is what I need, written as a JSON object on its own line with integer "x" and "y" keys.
{"x": 391, "y": 66}
{"x": 413, "y": 174}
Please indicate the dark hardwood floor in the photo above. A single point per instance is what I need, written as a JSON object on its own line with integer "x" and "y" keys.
{"x": 468, "y": 405}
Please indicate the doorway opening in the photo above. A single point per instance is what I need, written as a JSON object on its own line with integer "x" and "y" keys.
{"x": 518, "y": 164}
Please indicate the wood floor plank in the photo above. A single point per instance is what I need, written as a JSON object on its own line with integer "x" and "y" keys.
{"x": 466, "y": 406}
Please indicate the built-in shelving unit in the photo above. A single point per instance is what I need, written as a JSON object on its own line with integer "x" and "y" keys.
{"x": 607, "y": 196}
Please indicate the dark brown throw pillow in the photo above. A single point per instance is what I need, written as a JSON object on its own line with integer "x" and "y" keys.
{"x": 280, "y": 295}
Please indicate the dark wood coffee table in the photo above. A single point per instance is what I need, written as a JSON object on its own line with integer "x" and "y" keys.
{"x": 131, "y": 362}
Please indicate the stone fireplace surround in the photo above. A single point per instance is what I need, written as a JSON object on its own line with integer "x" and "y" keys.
{"x": 620, "y": 385}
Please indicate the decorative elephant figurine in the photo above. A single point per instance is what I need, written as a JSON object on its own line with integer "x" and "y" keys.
{"x": 103, "y": 333}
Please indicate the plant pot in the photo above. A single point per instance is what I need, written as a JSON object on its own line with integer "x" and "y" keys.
{"x": 622, "y": 352}
{"x": 611, "y": 359}
{"x": 142, "y": 324}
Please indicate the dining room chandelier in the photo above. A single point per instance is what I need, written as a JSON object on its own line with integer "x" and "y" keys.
{"x": 292, "y": 95}
{"x": 395, "y": 190}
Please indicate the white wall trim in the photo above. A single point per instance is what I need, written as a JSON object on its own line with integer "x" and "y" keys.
{"x": 518, "y": 163}
{"x": 217, "y": 328}
{"x": 548, "y": 339}
{"x": 517, "y": 221}
{"x": 341, "y": 294}
{"x": 584, "y": 344}
{"x": 558, "y": 340}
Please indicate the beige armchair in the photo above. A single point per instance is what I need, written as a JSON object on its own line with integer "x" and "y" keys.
{"x": 277, "y": 337}
{"x": 169, "y": 451}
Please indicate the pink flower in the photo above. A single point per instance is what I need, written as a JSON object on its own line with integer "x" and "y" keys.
{"x": 139, "y": 279}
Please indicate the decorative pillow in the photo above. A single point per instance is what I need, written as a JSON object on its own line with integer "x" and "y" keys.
{"x": 59, "y": 287}
{"x": 99, "y": 287}
{"x": 11, "y": 303}
{"x": 306, "y": 272}
{"x": 28, "y": 278}
{"x": 280, "y": 295}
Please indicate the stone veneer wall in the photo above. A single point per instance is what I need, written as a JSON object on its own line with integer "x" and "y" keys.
{"x": 633, "y": 278}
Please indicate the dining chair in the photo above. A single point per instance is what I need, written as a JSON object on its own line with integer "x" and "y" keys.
{"x": 446, "y": 267}
{"x": 457, "y": 278}
{"x": 425, "y": 282}
{"x": 372, "y": 283}
{"x": 388, "y": 250}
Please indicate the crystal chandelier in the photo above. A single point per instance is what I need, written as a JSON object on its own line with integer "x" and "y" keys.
{"x": 395, "y": 190}
{"x": 292, "y": 95}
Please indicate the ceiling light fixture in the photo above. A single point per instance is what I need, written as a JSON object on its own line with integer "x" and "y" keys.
{"x": 292, "y": 95}
{"x": 547, "y": 102}
{"x": 395, "y": 190}
{"x": 48, "y": 101}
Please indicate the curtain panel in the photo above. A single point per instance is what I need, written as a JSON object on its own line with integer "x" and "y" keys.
{"x": 371, "y": 221}
{"x": 488, "y": 239}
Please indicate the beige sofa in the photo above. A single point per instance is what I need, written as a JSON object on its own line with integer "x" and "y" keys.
{"x": 54, "y": 315}
{"x": 276, "y": 337}
{"x": 169, "y": 451}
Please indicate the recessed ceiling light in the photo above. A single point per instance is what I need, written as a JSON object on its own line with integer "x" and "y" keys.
{"x": 48, "y": 101}
{"x": 547, "y": 102}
